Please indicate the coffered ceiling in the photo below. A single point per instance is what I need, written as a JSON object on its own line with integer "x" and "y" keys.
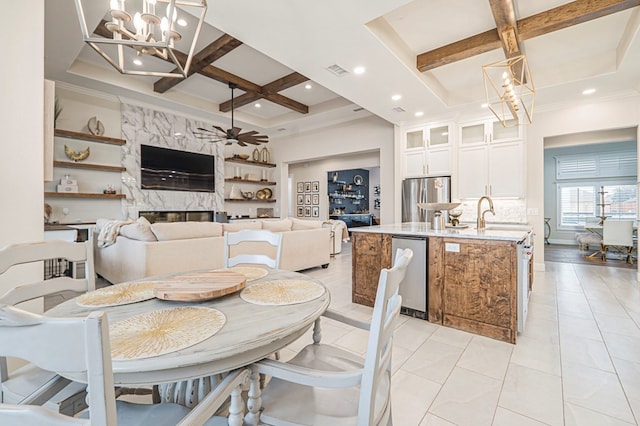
{"x": 273, "y": 49}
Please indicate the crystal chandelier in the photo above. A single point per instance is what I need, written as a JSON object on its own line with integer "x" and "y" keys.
{"x": 509, "y": 90}
{"x": 131, "y": 29}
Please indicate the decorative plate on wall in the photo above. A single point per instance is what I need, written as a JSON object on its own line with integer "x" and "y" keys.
{"x": 357, "y": 179}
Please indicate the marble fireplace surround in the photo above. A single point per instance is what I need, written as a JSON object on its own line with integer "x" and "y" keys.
{"x": 145, "y": 126}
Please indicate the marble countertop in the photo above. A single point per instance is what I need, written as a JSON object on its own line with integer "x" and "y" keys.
{"x": 504, "y": 232}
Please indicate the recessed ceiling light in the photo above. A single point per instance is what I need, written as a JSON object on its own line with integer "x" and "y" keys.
{"x": 419, "y": 114}
{"x": 308, "y": 86}
{"x": 257, "y": 105}
{"x": 177, "y": 134}
{"x": 181, "y": 22}
{"x": 359, "y": 70}
{"x": 484, "y": 106}
{"x": 588, "y": 91}
{"x": 137, "y": 62}
{"x": 396, "y": 97}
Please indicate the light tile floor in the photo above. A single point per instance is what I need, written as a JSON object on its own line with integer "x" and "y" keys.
{"x": 577, "y": 363}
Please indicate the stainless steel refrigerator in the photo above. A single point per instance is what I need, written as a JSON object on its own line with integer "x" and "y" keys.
{"x": 424, "y": 190}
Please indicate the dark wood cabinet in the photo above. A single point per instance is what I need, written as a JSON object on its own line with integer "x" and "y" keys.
{"x": 473, "y": 286}
{"x": 371, "y": 253}
{"x": 472, "y": 283}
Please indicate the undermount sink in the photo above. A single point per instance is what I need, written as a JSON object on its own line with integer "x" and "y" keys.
{"x": 507, "y": 227}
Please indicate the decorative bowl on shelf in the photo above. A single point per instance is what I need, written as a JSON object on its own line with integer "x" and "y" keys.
{"x": 242, "y": 156}
{"x": 248, "y": 195}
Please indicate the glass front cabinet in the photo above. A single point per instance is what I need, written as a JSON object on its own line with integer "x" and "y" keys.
{"x": 490, "y": 160}
{"x": 427, "y": 151}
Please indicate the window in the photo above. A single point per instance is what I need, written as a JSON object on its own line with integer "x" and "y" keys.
{"x": 621, "y": 201}
{"x": 593, "y": 184}
{"x": 579, "y": 201}
{"x": 596, "y": 165}
{"x": 576, "y": 203}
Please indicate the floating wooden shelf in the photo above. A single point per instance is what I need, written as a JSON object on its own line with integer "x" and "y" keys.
{"x": 253, "y": 200}
{"x": 261, "y": 182}
{"x": 249, "y": 162}
{"x": 83, "y": 195}
{"x": 88, "y": 137}
{"x": 70, "y": 165}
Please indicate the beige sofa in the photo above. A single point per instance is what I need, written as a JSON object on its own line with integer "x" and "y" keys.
{"x": 142, "y": 249}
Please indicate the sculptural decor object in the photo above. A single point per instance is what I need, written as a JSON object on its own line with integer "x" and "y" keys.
{"x": 76, "y": 156}
{"x": 95, "y": 126}
{"x": 265, "y": 156}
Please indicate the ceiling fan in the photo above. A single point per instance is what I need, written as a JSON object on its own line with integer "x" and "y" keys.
{"x": 232, "y": 135}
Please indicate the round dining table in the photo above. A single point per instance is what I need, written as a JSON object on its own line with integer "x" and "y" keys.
{"x": 251, "y": 332}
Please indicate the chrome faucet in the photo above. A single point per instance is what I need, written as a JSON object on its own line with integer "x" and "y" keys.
{"x": 481, "y": 224}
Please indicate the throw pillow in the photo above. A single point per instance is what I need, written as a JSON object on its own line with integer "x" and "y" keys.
{"x": 239, "y": 226}
{"x": 186, "y": 230}
{"x": 299, "y": 224}
{"x": 277, "y": 225}
{"x": 141, "y": 230}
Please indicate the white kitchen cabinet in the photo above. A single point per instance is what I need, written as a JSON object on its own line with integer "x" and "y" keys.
{"x": 415, "y": 163}
{"x": 490, "y": 160}
{"x": 487, "y": 131}
{"x": 427, "y": 151}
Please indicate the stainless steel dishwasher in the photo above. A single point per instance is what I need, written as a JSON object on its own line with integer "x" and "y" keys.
{"x": 413, "y": 288}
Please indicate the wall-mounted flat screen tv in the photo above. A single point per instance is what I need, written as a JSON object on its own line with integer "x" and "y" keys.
{"x": 173, "y": 170}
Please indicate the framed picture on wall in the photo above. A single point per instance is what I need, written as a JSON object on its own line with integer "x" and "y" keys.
{"x": 300, "y": 186}
{"x": 307, "y": 199}
{"x": 300, "y": 199}
{"x": 307, "y": 187}
{"x": 315, "y": 211}
{"x": 315, "y": 186}
{"x": 315, "y": 199}
{"x": 300, "y": 211}
{"x": 307, "y": 211}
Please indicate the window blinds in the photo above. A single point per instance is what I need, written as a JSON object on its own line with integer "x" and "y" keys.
{"x": 587, "y": 166}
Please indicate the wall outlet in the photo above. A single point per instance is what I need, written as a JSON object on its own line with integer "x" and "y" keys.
{"x": 65, "y": 211}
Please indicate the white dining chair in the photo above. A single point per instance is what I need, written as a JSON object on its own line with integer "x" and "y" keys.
{"x": 325, "y": 384}
{"x": 252, "y": 241}
{"x": 29, "y": 383}
{"x": 617, "y": 233}
{"x": 80, "y": 346}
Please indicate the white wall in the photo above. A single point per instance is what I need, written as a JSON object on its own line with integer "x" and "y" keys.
{"x": 587, "y": 117}
{"x": 21, "y": 120}
{"x": 359, "y": 137}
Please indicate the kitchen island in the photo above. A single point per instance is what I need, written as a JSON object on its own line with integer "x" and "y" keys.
{"x": 475, "y": 280}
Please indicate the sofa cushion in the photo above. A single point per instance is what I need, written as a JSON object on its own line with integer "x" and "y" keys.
{"x": 305, "y": 224}
{"x": 239, "y": 226}
{"x": 141, "y": 230}
{"x": 186, "y": 230}
{"x": 277, "y": 225}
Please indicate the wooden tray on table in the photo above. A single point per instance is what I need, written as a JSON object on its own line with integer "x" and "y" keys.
{"x": 195, "y": 287}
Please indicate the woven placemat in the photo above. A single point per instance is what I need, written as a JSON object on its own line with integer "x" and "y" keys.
{"x": 282, "y": 292}
{"x": 164, "y": 331}
{"x": 118, "y": 294}
{"x": 250, "y": 273}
